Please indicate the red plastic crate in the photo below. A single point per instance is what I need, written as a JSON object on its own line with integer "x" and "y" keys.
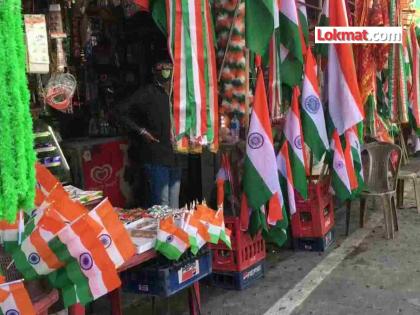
{"x": 314, "y": 217}
{"x": 245, "y": 251}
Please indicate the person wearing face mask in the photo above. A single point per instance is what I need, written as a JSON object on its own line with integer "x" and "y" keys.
{"x": 146, "y": 114}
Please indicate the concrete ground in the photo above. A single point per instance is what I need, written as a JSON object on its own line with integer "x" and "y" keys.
{"x": 377, "y": 276}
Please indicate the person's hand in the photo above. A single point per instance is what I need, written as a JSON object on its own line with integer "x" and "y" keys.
{"x": 149, "y": 138}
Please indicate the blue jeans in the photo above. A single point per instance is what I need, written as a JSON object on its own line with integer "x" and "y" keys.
{"x": 165, "y": 183}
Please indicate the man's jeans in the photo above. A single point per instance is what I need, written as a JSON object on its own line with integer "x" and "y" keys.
{"x": 164, "y": 184}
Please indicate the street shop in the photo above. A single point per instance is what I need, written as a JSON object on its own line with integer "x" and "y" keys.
{"x": 148, "y": 145}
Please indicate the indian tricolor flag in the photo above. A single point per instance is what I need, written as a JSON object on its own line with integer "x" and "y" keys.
{"x": 171, "y": 241}
{"x": 313, "y": 120}
{"x": 261, "y": 181}
{"x": 340, "y": 180}
{"x": 197, "y": 232}
{"x": 213, "y": 224}
{"x": 344, "y": 101}
{"x": 89, "y": 273}
{"x": 224, "y": 232}
{"x": 10, "y": 232}
{"x": 286, "y": 176}
{"x": 294, "y": 135}
{"x": 45, "y": 183}
{"x": 69, "y": 209}
{"x": 303, "y": 20}
{"x": 34, "y": 257}
{"x": 15, "y": 300}
{"x": 114, "y": 235}
{"x": 290, "y": 44}
{"x": 356, "y": 154}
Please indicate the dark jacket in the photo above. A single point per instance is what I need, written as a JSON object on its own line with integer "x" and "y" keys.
{"x": 149, "y": 108}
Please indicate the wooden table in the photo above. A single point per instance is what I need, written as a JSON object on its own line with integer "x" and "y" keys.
{"x": 115, "y": 296}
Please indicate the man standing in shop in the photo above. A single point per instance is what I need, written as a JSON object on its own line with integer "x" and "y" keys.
{"x": 146, "y": 114}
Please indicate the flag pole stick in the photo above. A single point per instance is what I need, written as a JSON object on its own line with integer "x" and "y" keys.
{"x": 235, "y": 14}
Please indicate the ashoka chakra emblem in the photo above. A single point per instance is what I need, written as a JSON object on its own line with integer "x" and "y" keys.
{"x": 339, "y": 165}
{"x": 170, "y": 238}
{"x": 312, "y": 104}
{"x": 12, "y": 312}
{"x": 33, "y": 258}
{"x": 105, "y": 240}
{"x": 85, "y": 261}
{"x": 255, "y": 140}
{"x": 298, "y": 142}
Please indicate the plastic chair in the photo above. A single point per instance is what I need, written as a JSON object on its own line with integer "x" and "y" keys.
{"x": 381, "y": 174}
{"x": 404, "y": 175}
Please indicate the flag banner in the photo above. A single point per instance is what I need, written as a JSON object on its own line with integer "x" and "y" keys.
{"x": 290, "y": 45}
{"x": 89, "y": 272}
{"x": 114, "y": 236}
{"x": 15, "y": 300}
{"x": 260, "y": 179}
{"x": 344, "y": 101}
{"x": 171, "y": 241}
{"x": 286, "y": 176}
{"x": 313, "y": 119}
{"x": 340, "y": 180}
{"x": 197, "y": 232}
{"x": 45, "y": 183}
{"x": 294, "y": 135}
{"x": 415, "y": 90}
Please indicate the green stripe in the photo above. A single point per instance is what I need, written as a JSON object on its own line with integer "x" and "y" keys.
{"x": 291, "y": 70}
{"x": 69, "y": 295}
{"x": 23, "y": 266}
{"x": 312, "y": 138}
{"x": 254, "y": 186}
{"x": 322, "y": 49}
{"x": 225, "y": 239}
{"x": 191, "y": 103}
{"x": 340, "y": 189}
{"x": 304, "y": 25}
{"x": 72, "y": 269}
{"x": 168, "y": 250}
{"x": 298, "y": 172}
{"x": 290, "y": 37}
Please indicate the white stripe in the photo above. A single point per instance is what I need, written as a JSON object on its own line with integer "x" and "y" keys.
{"x": 10, "y": 235}
{"x": 287, "y": 304}
{"x": 9, "y": 304}
{"x": 343, "y": 107}
{"x": 318, "y": 117}
{"x": 176, "y": 242}
{"x": 302, "y": 8}
{"x": 112, "y": 250}
{"x": 196, "y": 69}
{"x": 292, "y": 132}
{"x": 263, "y": 158}
{"x": 288, "y": 8}
{"x": 276, "y": 10}
{"x": 170, "y": 29}
{"x": 284, "y": 52}
{"x": 76, "y": 248}
{"x": 326, "y": 8}
{"x": 28, "y": 248}
{"x": 183, "y": 85}
{"x": 339, "y": 165}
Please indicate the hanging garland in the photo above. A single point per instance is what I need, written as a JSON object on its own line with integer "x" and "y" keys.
{"x": 17, "y": 158}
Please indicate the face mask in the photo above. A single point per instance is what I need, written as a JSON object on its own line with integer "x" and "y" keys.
{"x": 166, "y": 74}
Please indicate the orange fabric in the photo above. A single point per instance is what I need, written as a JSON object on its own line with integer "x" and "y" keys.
{"x": 44, "y": 250}
{"x": 116, "y": 229}
{"x": 69, "y": 209}
{"x": 87, "y": 230}
{"x": 22, "y": 299}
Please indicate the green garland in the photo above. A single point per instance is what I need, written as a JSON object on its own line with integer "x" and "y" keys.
{"x": 17, "y": 157}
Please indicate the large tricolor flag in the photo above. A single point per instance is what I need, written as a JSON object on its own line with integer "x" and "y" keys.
{"x": 261, "y": 181}
{"x": 286, "y": 176}
{"x": 340, "y": 180}
{"x": 294, "y": 135}
{"x": 344, "y": 102}
{"x": 171, "y": 241}
{"x": 313, "y": 119}
{"x": 303, "y": 20}
{"x": 260, "y": 22}
{"x": 15, "y": 300}
{"x": 114, "y": 235}
{"x": 324, "y": 20}
{"x": 88, "y": 273}
{"x": 290, "y": 44}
